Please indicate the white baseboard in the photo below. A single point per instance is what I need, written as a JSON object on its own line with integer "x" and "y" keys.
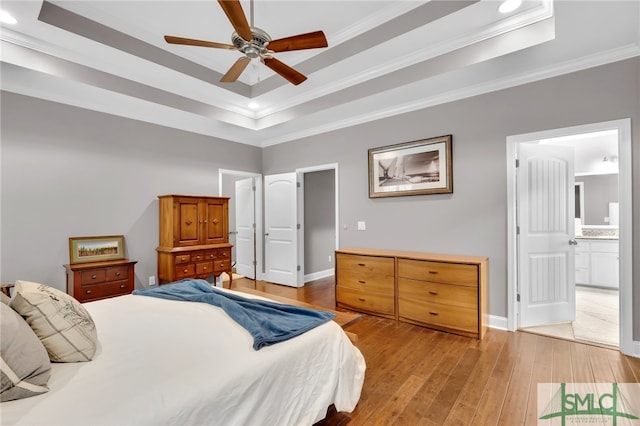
{"x": 318, "y": 275}
{"x": 498, "y": 322}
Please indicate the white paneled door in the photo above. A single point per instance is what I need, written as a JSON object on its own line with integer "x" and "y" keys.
{"x": 245, "y": 228}
{"x": 545, "y": 180}
{"x": 281, "y": 229}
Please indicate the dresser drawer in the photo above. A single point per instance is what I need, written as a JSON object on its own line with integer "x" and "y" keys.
{"x": 223, "y": 253}
{"x": 185, "y": 271}
{"x": 435, "y": 314}
{"x": 93, "y": 276}
{"x": 117, "y": 273}
{"x": 183, "y": 258}
{"x": 221, "y": 265}
{"x": 197, "y": 257}
{"x": 365, "y": 273}
{"x": 451, "y": 273}
{"x": 445, "y": 294}
{"x": 108, "y": 289}
{"x": 204, "y": 268}
{"x": 381, "y": 304}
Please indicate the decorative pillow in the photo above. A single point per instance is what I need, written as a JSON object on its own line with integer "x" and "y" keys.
{"x": 63, "y": 325}
{"x": 24, "y": 364}
{"x": 4, "y": 298}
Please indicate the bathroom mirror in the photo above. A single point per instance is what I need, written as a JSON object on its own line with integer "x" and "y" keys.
{"x": 593, "y": 195}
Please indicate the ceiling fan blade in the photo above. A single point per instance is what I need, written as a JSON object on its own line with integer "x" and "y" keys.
{"x": 194, "y": 42}
{"x": 299, "y": 42}
{"x": 284, "y": 70}
{"x": 233, "y": 10}
{"x": 235, "y": 70}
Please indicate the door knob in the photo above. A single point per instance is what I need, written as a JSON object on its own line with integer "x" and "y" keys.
{"x": 573, "y": 242}
{"x": 266, "y": 234}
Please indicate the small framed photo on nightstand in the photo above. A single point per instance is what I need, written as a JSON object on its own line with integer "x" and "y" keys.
{"x": 96, "y": 249}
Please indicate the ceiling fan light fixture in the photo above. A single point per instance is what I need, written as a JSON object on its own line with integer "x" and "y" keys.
{"x": 255, "y": 43}
{"x": 509, "y": 6}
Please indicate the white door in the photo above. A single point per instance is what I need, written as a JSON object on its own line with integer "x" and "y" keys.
{"x": 546, "y": 275}
{"x": 245, "y": 228}
{"x": 281, "y": 229}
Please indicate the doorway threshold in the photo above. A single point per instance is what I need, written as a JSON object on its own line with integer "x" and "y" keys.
{"x": 596, "y": 323}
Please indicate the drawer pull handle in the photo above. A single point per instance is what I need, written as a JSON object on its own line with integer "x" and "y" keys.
{"x": 185, "y": 271}
{"x": 361, "y": 264}
{"x": 121, "y": 285}
{"x": 94, "y": 276}
{"x": 433, "y": 272}
{"x": 204, "y": 268}
{"x": 88, "y": 291}
{"x": 118, "y": 274}
{"x": 433, "y": 313}
{"x": 435, "y": 293}
{"x": 361, "y": 281}
{"x": 362, "y": 299}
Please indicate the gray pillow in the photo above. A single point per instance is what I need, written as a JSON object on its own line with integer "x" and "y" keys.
{"x": 24, "y": 364}
{"x": 63, "y": 325}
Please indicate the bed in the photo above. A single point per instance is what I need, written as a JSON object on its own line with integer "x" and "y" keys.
{"x": 184, "y": 363}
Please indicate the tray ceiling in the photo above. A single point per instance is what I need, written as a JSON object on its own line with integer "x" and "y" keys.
{"x": 384, "y": 58}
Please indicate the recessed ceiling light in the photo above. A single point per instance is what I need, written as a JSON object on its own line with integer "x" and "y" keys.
{"x": 254, "y": 105}
{"x": 6, "y": 18}
{"x": 509, "y": 6}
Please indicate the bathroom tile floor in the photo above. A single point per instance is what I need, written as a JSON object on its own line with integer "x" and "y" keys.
{"x": 596, "y": 321}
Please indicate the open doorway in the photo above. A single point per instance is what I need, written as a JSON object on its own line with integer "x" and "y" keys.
{"x": 621, "y": 270}
{"x": 231, "y": 183}
{"x": 596, "y": 251}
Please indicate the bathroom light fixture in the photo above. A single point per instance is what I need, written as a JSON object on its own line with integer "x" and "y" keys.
{"x": 7, "y": 18}
{"x": 509, "y": 6}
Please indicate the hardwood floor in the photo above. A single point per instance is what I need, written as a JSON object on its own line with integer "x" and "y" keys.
{"x": 417, "y": 376}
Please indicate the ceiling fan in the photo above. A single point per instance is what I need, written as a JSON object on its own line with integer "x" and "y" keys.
{"x": 256, "y": 43}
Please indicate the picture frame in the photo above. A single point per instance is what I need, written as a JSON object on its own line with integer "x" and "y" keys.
{"x": 412, "y": 168}
{"x": 96, "y": 249}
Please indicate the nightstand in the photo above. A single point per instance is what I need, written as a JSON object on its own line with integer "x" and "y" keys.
{"x": 100, "y": 280}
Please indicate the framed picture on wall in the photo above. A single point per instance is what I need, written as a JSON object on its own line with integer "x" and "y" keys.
{"x": 412, "y": 168}
{"x": 96, "y": 249}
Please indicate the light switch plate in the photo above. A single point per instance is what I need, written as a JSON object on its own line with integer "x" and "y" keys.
{"x": 362, "y": 225}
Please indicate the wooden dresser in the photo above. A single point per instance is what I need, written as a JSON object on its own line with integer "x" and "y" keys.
{"x": 194, "y": 237}
{"x": 444, "y": 292}
{"x": 100, "y": 280}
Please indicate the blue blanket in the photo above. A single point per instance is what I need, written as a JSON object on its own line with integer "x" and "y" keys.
{"x": 268, "y": 322}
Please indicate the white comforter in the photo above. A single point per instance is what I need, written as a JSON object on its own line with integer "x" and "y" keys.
{"x": 185, "y": 363}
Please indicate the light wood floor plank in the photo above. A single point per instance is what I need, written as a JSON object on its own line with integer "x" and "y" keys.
{"x": 600, "y": 366}
{"x": 541, "y": 374}
{"x": 561, "y": 368}
{"x": 514, "y": 408}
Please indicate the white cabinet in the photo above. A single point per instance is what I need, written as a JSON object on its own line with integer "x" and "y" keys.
{"x": 582, "y": 263}
{"x": 604, "y": 264}
{"x": 596, "y": 263}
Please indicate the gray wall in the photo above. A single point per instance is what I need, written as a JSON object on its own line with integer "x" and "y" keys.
{"x": 599, "y": 191}
{"x": 472, "y": 220}
{"x": 319, "y": 221}
{"x": 69, "y": 172}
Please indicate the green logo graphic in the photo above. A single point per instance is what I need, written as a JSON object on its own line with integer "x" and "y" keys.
{"x": 591, "y": 405}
